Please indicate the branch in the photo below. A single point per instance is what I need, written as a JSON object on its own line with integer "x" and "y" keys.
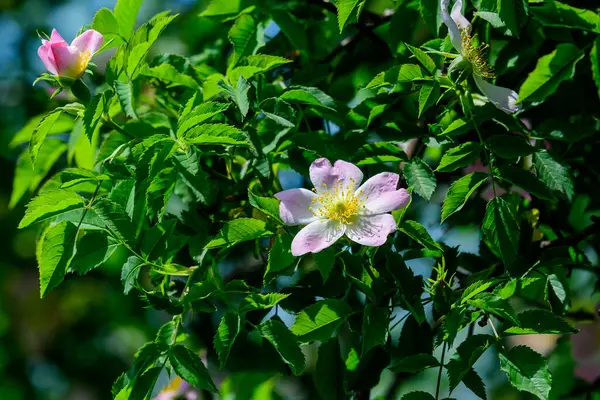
{"x": 574, "y": 240}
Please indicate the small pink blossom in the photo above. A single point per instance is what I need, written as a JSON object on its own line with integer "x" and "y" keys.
{"x": 338, "y": 206}
{"x": 69, "y": 61}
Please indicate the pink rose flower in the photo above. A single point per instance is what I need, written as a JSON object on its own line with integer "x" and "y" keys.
{"x": 69, "y": 61}
{"x": 338, "y": 206}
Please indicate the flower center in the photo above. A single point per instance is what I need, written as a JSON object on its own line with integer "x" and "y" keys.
{"x": 339, "y": 203}
{"x": 475, "y": 53}
{"x": 81, "y": 64}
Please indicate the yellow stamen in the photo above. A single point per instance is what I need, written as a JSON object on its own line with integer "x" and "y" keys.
{"x": 339, "y": 203}
{"x": 475, "y": 54}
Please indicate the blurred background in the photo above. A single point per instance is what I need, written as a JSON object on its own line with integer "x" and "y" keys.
{"x": 74, "y": 343}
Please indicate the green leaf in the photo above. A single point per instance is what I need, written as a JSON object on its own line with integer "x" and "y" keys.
{"x": 165, "y": 336}
{"x": 126, "y": 12}
{"x": 540, "y": 321}
{"x": 375, "y": 327}
{"x": 527, "y": 371}
{"x": 64, "y": 124}
{"x": 418, "y": 396}
{"x": 106, "y": 23}
{"x": 424, "y": 59}
{"x": 513, "y": 13}
{"x": 131, "y": 272}
{"x": 115, "y": 218}
{"x": 458, "y": 127}
{"x": 324, "y": 261}
{"x": 560, "y": 15}
{"x": 507, "y": 146}
{"x": 27, "y": 177}
{"x": 54, "y": 252}
{"x": 268, "y": 205}
{"x": 227, "y": 332}
{"x": 419, "y": 335}
{"x": 494, "y": 305}
{"x": 475, "y": 288}
{"x": 144, "y": 384}
{"x": 501, "y": 229}
{"x": 380, "y": 152}
{"x": 40, "y": 132}
{"x": 320, "y": 321}
{"x": 292, "y": 28}
{"x": 50, "y": 204}
{"x": 237, "y": 231}
{"x": 526, "y": 181}
{"x": 418, "y": 233}
{"x": 409, "y": 73}
{"x": 550, "y": 71}
{"x": 280, "y": 258}
{"x": 215, "y": 134}
{"x": 191, "y": 368}
{"x": 348, "y": 12}
{"x": 414, "y": 364}
{"x": 459, "y": 157}
{"x": 420, "y": 177}
{"x": 96, "y": 109}
{"x": 308, "y": 95}
{"x": 431, "y": 13}
{"x": 93, "y": 250}
{"x": 198, "y": 115}
{"x": 460, "y": 191}
{"x": 474, "y": 382}
{"x": 222, "y": 7}
{"x": 329, "y": 371}
{"x": 428, "y": 96}
{"x": 595, "y": 61}
{"x": 159, "y": 192}
{"x": 240, "y": 96}
{"x": 246, "y": 36}
{"x": 467, "y": 353}
{"x": 279, "y": 111}
{"x": 265, "y": 62}
{"x": 285, "y": 343}
{"x": 555, "y": 294}
{"x": 259, "y": 301}
{"x": 553, "y": 174}
{"x": 411, "y": 286}
{"x": 169, "y": 74}
{"x": 124, "y": 91}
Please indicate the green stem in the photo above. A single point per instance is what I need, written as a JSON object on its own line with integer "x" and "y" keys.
{"x": 439, "y": 379}
{"x": 468, "y": 105}
{"x": 108, "y": 121}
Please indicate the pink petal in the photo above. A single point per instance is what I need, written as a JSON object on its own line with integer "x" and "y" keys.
{"x": 47, "y": 56}
{"x": 55, "y": 37}
{"x": 316, "y": 236}
{"x": 380, "y": 195}
{"x": 67, "y": 61}
{"x": 324, "y": 176}
{"x": 294, "y": 206}
{"x": 89, "y": 40}
{"x": 371, "y": 230}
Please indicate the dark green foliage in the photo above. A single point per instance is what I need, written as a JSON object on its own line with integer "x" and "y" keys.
{"x": 174, "y": 163}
